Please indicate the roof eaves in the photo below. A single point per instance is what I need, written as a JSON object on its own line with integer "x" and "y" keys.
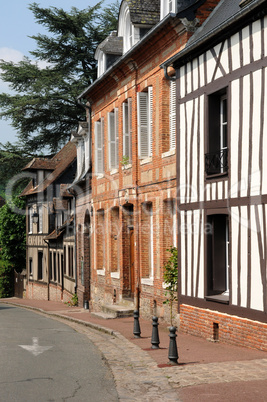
{"x": 205, "y": 39}
{"x": 124, "y": 57}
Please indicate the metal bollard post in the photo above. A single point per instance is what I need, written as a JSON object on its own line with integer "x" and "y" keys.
{"x": 173, "y": 353}
{"x": 155, "y": 333}
{"x": 136, "y": 330}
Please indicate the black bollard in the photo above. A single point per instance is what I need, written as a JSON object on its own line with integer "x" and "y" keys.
{"x": 136, "y": 330}
{"x": 155, "y": 333}
{"x": 173, "y": 353}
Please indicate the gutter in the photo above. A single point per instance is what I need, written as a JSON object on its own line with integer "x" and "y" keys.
{"x": 179, "y": 58}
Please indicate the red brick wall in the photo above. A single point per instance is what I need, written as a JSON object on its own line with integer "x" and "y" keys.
{"x": 231, "y": 329}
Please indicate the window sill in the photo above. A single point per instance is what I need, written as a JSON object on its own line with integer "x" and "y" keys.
{"x": 126, "y": 167}
{"x": 169, "y": 153}
{"x": 99, "y": 176}
{"x": 101, "y": 272}
{"x": 115, "y": 275}
{"x": 147, "y": 281}
{"x": 114, "y": 171}
{"x": 224, "y": 299}
{"x": 145, "y": 161}
{"x": 216, "y": 176}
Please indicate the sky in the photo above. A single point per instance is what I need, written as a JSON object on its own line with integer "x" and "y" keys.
{"x": 16, "y": 25}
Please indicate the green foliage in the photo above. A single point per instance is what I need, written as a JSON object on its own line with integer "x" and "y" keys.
{"x": 73, "y": 301}
{"x": 12, "y": 159}
{"x": 6, "y": 279}
{"x": 13, "y": 233}
{"x": 125, "y": 160}
{"x": 170, "y": 277}
{"x": 44, "y": 108}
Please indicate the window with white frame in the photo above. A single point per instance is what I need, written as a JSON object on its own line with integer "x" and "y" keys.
{"x": 99, "y": 146}
{"x": 167, "y": 6}
{"x": 40, "y": 219}
{"x": 113, "y": 139}
{"x": 127, "y": 129}
{"x": 145, "y": 122}
{"x": 30, "y": 212}
{"x": 172, "y": 114}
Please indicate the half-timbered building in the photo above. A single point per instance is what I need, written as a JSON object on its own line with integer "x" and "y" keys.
{"x": 50, "y": 248}
{"x": 128, "y": 210}
{"x": 221, "y": 78}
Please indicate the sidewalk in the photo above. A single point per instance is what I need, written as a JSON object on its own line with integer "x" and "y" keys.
{"x": 206, "y": 370}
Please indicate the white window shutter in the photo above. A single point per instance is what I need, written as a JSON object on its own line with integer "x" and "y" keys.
{"x": 98, "y": 147}
{"x": 111, "y": 140}
{"x": 142, "y": 120}
{"x": 130, "y": 128}
{"x": 150, "y": 120}
{"x": 116, "y": 111}
{"x": 125, "y": 129}
{"x": 172, "y": 115}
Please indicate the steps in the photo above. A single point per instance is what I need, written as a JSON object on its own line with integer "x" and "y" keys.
{"x": 123, "y": 309}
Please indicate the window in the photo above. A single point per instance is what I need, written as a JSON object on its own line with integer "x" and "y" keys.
{"x": 127, "y": 129}
{"x": 40, "y": 265}
{"x": 55, "y": 266}
{"x": 30, "y": 210}
{"x": 217, "y": 255}
{"x": 30, "y": 267}
{"x": 64, "y": 261}
{"x": 70, "y": 261}
{"x": 113, "y": 139}
{"x": 99, "y": 146}
{"x": 144, "y": 120}
{"x": 172, "y": 115}
{"x": 40, "y": 219}
{"x": 216, "y": 160}
{"x": 166, "y": 7}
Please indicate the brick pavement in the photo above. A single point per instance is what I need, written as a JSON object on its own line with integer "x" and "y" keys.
{"x": 206, "y": 370}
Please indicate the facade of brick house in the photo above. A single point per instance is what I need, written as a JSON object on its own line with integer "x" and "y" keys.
{"x": 126, "y": 218}
{"x": 50, "y": 248}
{"x": 221, "y": 175}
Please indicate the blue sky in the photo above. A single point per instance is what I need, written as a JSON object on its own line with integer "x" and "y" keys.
{"x": 16, "y": 25}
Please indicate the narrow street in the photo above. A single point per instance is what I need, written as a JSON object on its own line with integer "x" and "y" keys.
{"x": 45, "y": 360}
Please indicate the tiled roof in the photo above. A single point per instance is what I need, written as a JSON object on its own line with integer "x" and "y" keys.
{"x": 144, "y": 11}
{"x": 59, "y": 162}
{"x": 40, "y": 164}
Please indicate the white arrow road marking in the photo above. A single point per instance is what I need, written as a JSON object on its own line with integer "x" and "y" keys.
{"x": 35, "y": 348}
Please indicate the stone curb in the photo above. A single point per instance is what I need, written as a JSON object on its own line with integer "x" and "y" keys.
{"x": 96, "y": 327}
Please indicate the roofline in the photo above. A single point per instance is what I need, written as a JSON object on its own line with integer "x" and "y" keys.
{"x": 181, "y": 57}
{"x": 151, "y": 32}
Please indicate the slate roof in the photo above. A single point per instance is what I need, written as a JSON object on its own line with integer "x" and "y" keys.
{"x": 225, "y": 15}
{"x": 145, "y": 12}
{"x": 60, "y": 162}
{"x": 113, "y": 44}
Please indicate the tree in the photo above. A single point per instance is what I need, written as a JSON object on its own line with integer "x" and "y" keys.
{"x": 12, "y": 233}
{"x": 44, "y": 108}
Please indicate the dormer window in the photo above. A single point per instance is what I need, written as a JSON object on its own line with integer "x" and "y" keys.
{"x": 166, "y": 7}
{"x": 108, "y": 52}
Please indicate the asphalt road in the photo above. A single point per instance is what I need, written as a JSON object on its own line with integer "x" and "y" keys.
{"x": 44, "y": 360}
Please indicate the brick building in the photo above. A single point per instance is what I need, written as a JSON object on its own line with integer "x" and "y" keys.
{"x": 125, "y": 190}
